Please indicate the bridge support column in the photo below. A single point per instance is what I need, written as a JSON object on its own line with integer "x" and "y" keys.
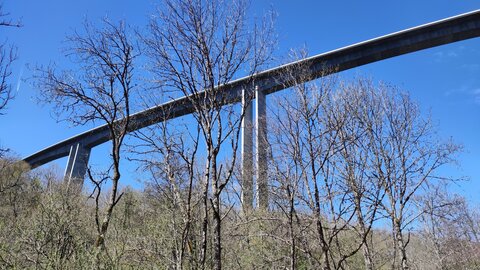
{"x": 77, "y": 164}
{"x": 261, "y": 149}
{"x": 247, "y": 152}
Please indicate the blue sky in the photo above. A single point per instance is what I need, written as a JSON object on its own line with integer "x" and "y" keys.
{"x": 444, "y": 80}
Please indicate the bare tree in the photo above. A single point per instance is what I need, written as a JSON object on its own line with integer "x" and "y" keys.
{"x": 14, "y": 178}
{"x": 353, "y": 163}
{"x": 361, "y": 150}
{"x": 286, "y": 180}
{"x": 100, "y": 89}
{"x": 198, "y": 46}
{"x": 308, "y": 125}
{"x": 169, "y": 154}
{"x": 406, "y": 156}
{"x": 449, "y": 231}
{"x": 8, "y": 54}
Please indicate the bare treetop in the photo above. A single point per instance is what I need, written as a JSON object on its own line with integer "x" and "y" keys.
{"x": 203, "y": 44}
{"x": 8, "y": 54}
{"x": 96, "y": 90}
{"x": 5, "y": 19}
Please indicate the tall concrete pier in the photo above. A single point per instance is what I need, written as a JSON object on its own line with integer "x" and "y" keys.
{"x": 247, "y": 151}
{"x": 77, "y": 164}
{"x": 261, "y": 148}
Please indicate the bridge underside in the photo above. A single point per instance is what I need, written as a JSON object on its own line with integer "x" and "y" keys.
{"x": 441, "y": 32}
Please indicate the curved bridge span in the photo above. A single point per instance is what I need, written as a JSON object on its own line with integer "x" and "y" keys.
{"x": 449, "y": 30}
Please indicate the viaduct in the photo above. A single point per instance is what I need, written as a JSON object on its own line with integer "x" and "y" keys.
{"x": 449, "y": 30}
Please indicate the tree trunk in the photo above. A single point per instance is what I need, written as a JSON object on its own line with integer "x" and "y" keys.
{"x": 291, "y": 231}
{"x": 217, "y": 237}
{"x": 217, "y": 241}
{"x": 367, "y": 254}
{"x": 402, "y": 246}
{"x": 393, "y": 264}
{"x": 203, "y": 252}
{"x": 100, "y": 242}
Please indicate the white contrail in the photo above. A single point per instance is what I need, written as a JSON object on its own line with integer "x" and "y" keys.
{"x": 19, "y": 79}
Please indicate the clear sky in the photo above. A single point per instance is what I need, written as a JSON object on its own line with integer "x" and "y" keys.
{"x": 444, "y": 80}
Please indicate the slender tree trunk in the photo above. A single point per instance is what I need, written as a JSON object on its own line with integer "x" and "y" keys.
{"x": 291, "y": 229}
{"x": 177, "y": 208}
{"x": 217, "y": 247}
{"x": 321, "y": 235}
{"x": 394, "y": 249}
{"x": 203, "y": 252}
{"x": 187, "y": 221}
{"x": 402, "y": 246}
{"x": 323, "y": 243}
{"x": 100, "y": 242}
{"x": 217, "y": 237}
{"x": 367, "y": 254}
{"x": 326, "y": 260}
